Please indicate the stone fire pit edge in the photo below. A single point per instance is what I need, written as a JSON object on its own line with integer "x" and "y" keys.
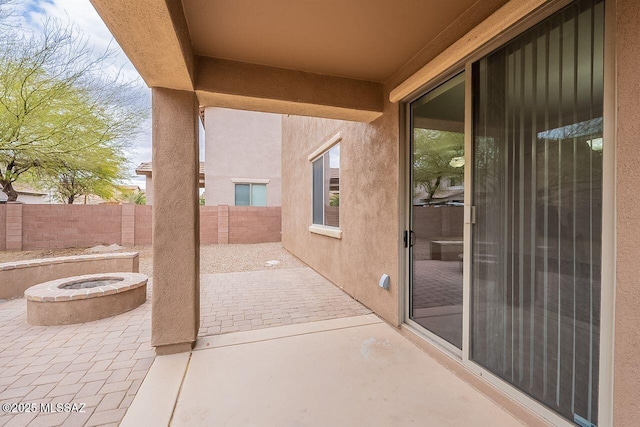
{"x": 50, "y": 304}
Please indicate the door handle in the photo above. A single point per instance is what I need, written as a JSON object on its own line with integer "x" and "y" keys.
{"x": 409, "y": 238}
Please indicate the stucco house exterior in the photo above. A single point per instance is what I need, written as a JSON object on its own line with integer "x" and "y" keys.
{"x": 242, "y": 162}
{"x": 146, "y": 169}
{"x": 528, "y": 291}
{"x": 242, "y": 166}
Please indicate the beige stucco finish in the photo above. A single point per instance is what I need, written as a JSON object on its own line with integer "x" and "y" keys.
{"x": 358, "y": 39}
{"x": 148, "y": 190}
{"x": 157, "y": 39}
{"x": 626, "y": 370}
{"x": 176, "y": 223}
{"x": 243, "y": 146}
{"x": 323, "y": 59}
{"x": 240, "y": 85}
{"x": 370, "y": 192}
{"x": 369, "y": 159}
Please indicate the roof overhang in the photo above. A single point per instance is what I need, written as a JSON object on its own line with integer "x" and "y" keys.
{"x": 326, "y": 59}
{"x": 155, "y": 37}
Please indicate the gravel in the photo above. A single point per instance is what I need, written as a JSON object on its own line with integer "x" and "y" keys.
{"x": 213, "y": 258}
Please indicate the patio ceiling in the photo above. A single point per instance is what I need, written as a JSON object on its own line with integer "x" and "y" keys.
{"x": 357, "y": 39}
{"x": 321, "y": 58}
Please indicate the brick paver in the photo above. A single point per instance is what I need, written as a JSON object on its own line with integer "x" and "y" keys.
{"x": 103, "y": 363}
{"x": 436, "y": 283}
{"x": 74, "y": 363}
{"x": 233, "y": 302}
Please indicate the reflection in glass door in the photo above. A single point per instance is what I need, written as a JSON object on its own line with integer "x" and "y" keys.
{"x": 437, "y": 182}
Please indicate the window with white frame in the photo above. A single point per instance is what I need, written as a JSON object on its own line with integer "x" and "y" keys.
{"x": 326, "y": 187}
{"x": 250, "y": 194}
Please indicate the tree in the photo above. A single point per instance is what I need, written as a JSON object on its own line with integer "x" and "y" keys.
{"x": 94, "y": 171}
{"x": 57, "y": 106}
{"x": 433, "y": 153}
{"x": 6, "y": 11}
{"x": 136, "y": 197}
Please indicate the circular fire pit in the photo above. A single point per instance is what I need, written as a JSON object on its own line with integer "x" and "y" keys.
{"x": 86, "y": 298}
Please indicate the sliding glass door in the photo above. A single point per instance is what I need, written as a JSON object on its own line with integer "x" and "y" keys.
{"x": 537, "y": 120}
{"x": 533, "y": 130}
{"x": 437, "y": 178}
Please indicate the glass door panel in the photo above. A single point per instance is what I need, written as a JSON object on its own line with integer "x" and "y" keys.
{"x": 437, "y": 182}
{"x": 537, "y": 188}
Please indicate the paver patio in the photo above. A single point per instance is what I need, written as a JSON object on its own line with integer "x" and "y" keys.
{"x": 236, "y": 302}
{"x": 103, "y": 363}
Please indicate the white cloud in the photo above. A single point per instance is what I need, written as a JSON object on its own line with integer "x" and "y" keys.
{"x": 86, "y": 22}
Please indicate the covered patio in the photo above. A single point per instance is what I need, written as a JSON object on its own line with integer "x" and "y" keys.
{"x": 276, "y": 347}
{"x": 348, "y": 73}
{"x": 283, "y": 59}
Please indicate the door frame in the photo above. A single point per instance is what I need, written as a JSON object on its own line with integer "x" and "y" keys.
{"x": 408, "y": 196}
{"x": 608, "y": 256}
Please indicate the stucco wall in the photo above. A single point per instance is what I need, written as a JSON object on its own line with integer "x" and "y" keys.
{"x": 148, "y": 190}
{"x": 369, "y": 193}
{"x": 241, "y": 144}
{"x": 627, "y": 299}
{"x": 368, "y": 205}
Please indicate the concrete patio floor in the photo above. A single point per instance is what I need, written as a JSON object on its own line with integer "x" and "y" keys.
{"x": 103, "y": 363}
{"x": 355, "y": 371}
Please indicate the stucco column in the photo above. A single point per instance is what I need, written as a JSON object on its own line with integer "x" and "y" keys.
{"x": 626, "y": 371}
{"x": 176, "y": 229}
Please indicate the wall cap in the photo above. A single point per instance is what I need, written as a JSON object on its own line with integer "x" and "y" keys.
{"x": 67, "y": 259}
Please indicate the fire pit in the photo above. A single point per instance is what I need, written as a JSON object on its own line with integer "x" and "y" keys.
{"x": 86, "y": 298}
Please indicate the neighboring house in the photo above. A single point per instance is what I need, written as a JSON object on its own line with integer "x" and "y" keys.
{"x": 28, "y": 195}
{"x": 242, "y": 165}
{"x": 543, "y": 315}
{"x": 146, "y": 170}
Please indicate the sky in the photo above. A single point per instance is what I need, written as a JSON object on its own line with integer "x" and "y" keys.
{"x": 86, "y": 21}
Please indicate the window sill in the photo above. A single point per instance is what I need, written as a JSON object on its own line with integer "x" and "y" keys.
{"x": 250, "y": 181}
{"x": 334, "y": 232}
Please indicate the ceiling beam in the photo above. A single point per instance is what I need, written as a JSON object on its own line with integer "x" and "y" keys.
{"x": 239, "y": 85}
{"x": 155, "y": 37}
